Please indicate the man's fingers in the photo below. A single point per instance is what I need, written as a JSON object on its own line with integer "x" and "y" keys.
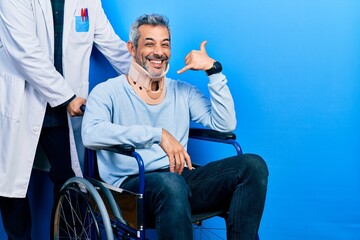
{"x": 182, "y": 164}
{"x": 187, "y": 60}
{"x": 172, "y": 164}
{"x": 193, "y": 60}
{"x": 202, "y": 46}
{"x": 188, "y": 161}
{"x": 176, "y": 163}
{"x": 183, "y": 69}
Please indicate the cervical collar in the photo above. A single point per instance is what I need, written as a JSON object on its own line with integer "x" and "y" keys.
{"x": 141, "y": 81}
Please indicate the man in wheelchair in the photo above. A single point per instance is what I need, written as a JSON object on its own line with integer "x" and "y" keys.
{"x": 151, "y": 112}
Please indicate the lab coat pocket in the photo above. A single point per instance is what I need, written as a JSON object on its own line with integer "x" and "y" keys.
{"x": 81, "y": 24}
{"x": 12, "y": 91}
{"x": 81, "y": 32}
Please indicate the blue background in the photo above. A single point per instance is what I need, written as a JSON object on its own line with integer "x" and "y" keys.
{"x": 294, "y": 71}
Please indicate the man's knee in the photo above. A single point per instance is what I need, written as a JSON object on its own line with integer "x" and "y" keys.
{"x": 257, "y": 166}
{"x": 171, "y": 187}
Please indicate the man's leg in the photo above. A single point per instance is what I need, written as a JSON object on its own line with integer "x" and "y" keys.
{"x": 237, "y": 184}
{"x": 16, "y": 217}
{"x": 167, "y": 201}
{"x": 56, "y": 144}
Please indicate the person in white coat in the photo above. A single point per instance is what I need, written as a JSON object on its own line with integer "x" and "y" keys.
{"x": 45, "y": 48}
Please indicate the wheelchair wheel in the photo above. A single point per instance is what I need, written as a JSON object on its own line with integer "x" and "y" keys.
{"x": 210, "y": 232}
{"x": 201, "y": 232}
{"x": 79, "y": 213}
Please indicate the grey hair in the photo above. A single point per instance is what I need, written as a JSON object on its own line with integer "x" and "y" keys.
{"x": 147, "y": 19}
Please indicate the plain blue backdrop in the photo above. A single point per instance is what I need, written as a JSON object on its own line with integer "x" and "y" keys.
{"x": 294, "y": 71}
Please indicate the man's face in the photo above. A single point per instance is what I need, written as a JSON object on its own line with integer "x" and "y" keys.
{"x": 153, "y": 52}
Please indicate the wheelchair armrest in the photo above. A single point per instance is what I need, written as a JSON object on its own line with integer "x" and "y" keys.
{"x": 215, "y": 136}
{"x": 203, "y": 133}
{"x": 129, "y": 150}
{"x": 91, "y": 169}
{"x": 124, "y": 149}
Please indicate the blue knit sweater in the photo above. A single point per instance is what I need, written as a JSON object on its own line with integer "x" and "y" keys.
{"x": 116, "y": 115}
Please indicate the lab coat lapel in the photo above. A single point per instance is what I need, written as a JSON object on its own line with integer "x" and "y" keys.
{"x": 69, "y": 13}
{"x": 46, "y": 9}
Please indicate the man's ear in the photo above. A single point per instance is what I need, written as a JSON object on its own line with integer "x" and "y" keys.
{"x": 131, "y": 48}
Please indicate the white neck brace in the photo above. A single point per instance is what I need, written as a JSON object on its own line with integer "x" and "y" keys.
{"x": 141, "y": 81}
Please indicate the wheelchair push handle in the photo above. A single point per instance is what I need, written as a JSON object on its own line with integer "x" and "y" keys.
{"x": 82, "y": 108}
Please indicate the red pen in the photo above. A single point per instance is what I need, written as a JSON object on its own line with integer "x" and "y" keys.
{"x": 82, "y": 13}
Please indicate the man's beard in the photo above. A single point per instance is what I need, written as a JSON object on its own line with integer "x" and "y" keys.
{"x": 153, "y": 74}
{"x": 147, "y": 68}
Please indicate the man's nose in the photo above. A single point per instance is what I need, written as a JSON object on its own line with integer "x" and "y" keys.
{"x": 158, "y": 51}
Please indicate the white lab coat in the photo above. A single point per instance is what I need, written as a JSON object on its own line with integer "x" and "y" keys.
{"x": 28, "y": 79}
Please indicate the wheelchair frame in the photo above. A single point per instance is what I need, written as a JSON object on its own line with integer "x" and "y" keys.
{"x": 89, "y": 209}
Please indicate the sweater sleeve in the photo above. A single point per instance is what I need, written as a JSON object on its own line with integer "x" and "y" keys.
{"x": 218, "y": 112}
{"x": 100, "y": 127}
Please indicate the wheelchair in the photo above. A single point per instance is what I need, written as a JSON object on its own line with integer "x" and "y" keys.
{"x": 88, "y": 208}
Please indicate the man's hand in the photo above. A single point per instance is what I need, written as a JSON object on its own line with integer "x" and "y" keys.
{"x": 197, "y": 60}
{"x": 74, "y": 106}
{"x": 176, "y": 153}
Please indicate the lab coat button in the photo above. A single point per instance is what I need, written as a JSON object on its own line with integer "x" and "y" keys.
{"x": 36, "y": 129}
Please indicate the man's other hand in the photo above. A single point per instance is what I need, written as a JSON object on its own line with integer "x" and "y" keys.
{"x": 178, "y": 156}
{"x": 198, "y": 60}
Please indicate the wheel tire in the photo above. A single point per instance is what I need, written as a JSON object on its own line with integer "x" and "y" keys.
{"x": 79, "y": 213}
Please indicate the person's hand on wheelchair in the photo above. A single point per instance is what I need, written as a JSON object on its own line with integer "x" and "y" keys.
{"x": 178, "y": 156}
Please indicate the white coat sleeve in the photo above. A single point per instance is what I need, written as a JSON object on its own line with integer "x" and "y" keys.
{"x": 18, "y": 33}
{"x": 109, "y": 43}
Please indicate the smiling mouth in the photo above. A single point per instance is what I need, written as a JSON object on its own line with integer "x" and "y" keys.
{"x": 156, "y": 63}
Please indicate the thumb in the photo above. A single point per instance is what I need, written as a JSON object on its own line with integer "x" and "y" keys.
{"x": 202, "y": 46}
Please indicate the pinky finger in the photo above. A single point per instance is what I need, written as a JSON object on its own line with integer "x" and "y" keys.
{"x": 183, "y": 70}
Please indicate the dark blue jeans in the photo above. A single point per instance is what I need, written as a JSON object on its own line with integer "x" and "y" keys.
{"x": 237, "y": 184}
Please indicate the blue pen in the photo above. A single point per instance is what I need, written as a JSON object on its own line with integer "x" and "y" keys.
{"x": 86, "y": 15}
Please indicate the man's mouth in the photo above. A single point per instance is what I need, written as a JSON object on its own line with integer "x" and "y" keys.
{"x": 157, "y": 63}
